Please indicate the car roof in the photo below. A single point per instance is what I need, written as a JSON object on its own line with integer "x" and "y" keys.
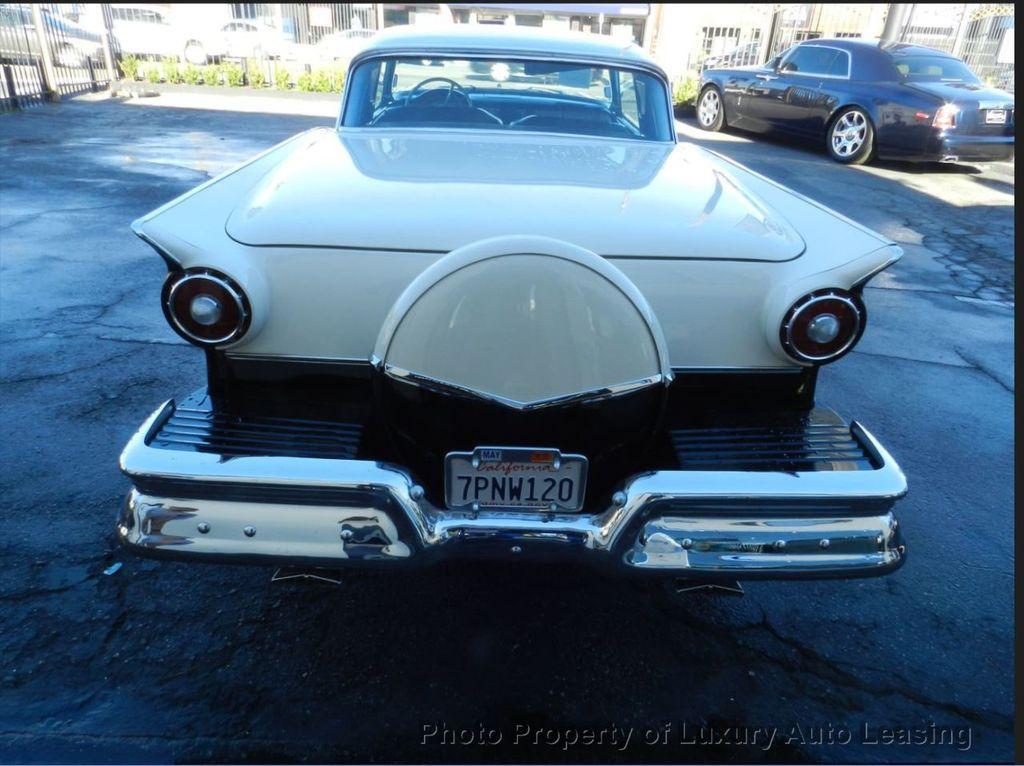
{"x": 507, "y": 40}
{"x": 861, "y": 43}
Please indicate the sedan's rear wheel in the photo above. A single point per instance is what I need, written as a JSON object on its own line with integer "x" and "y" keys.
{"x": 710, "y": 109}
{"x": 851, "y": 137}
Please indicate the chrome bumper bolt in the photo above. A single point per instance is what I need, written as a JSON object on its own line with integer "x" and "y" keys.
{"x": 824, "y": 542}
{"x": 619, "y": 499}
{"x": 249, "y": 531}
{"x": 516, "y": 549}
{"x": 416, "y": 492}
{"x": 203, "y": 527}
{"x": 779, "y": 545}
{"x": 346, "y": 535}
{"x": 687, "y": 543}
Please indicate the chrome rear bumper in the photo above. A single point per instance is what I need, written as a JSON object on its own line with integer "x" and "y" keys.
{"x": 303, "y": 511}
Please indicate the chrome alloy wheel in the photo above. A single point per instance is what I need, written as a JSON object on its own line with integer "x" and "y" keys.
{"x": 849, "y": 133}
{"x": 710, "y": 103}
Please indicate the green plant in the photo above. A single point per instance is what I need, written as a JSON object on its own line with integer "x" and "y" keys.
{"x": 338, "y": 81}
{"x": 234, "y": 75}
{"x": 685, "y": 91}
{"x": 254, "y": 73}
{"x": 153, "y": 73}
{"x": 304, "y": 82}
{"x": 282, "y": 77}
{"x": 172, "y": 71}
{"x": 322, "y": 81}
{"x": 211, "y": 74}
{"x": 129, "y": 67}
{"x": 192, "y": 74}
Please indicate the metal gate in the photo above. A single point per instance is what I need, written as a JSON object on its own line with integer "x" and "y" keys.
{"x": 47, "y": 52}
{"x": 979, "y": 33}
{"x": 792, "y": 24}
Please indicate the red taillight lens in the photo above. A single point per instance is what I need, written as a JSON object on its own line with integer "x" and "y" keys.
{"x": 205, "y": 307}
{"x": 946, "y": 117}
{"x": 822, "y": 326}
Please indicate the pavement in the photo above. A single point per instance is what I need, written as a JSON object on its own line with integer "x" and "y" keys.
{"x": 108, "y": 658}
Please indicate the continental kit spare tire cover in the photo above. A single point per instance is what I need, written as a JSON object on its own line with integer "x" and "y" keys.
{"x": 520, "y": 341}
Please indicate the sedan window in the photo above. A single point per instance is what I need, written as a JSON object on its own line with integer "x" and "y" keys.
{"x": 810, "y": 59}
{"x": 933, "y": 69}
{"x": 840, "y": 66}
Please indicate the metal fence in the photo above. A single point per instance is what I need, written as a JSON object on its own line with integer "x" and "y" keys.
{"x": 45, "y": 53}
{"x": 792, "y": 24}
{"x": 979, "y": 33}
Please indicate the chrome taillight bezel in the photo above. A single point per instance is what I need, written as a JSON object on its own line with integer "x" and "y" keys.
{"x": 236, "y": 300}
{"x": 791, "y": 345}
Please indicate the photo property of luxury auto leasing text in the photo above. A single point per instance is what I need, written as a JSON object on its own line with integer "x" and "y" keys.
{"x": 507, "y": 383}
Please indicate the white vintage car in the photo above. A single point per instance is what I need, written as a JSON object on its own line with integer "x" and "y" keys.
{"x": 500, "y": 310}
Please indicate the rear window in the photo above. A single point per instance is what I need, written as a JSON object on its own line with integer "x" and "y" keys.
{"x": 933, "y": 69}
{"x": 508, "y": 94}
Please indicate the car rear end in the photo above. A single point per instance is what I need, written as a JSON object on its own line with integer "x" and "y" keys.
{"x": 395, "y": 378}
{"x": 971, "y": 122}
{"x": 975, "y": 130}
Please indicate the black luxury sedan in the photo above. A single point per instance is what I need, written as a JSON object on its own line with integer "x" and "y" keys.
{"x": 866, "y": 99}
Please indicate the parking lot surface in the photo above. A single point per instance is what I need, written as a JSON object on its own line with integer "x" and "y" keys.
{"x": 172, "y": 662}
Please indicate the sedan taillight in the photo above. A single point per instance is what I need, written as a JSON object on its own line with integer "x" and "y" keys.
{"x": 205, "y": 307}
{"x": 946, "y": 117}
{"x": 823, "y": 325}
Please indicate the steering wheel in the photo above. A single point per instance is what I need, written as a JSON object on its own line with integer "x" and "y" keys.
{"x": 424, "y": 97}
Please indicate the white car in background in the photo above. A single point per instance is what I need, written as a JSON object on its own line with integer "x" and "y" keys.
{"x": 344, "y": 45}
{"x": 244, "y": 38}
{"x": 149, "y": 30}
{"x": 144, "y": 30}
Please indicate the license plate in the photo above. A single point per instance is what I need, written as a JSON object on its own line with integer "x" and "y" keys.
{"x": 995, "y": 116}
{"x": 511, "y": 478}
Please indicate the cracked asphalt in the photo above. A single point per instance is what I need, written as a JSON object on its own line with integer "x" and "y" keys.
{"x": 162, "y": 662}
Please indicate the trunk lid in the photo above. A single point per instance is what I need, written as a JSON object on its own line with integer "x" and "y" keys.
{"x": 430, "y": 191}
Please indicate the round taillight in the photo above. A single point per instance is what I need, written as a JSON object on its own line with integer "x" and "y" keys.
{"x": 205, "y": 307}
{"x": 823, "y": 325}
